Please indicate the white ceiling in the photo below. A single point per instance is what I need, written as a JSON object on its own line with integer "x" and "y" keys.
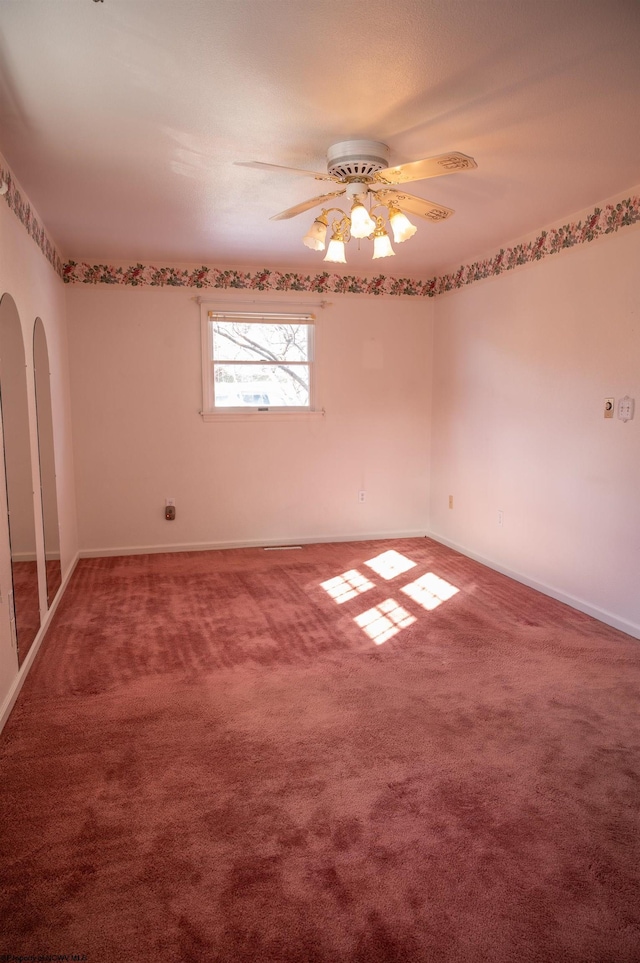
{"x": 122, "y": 118}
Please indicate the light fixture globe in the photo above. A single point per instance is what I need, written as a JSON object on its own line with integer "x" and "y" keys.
{"x": 401, "y": 226}
{"x": 317, "y": 233}
{"x": 362, "y": 224}
{"x": 382, "y": 244}
{"x": 335, "y": 251}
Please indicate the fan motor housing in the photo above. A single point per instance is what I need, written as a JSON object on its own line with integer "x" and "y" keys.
{"x": 357, "y": 158}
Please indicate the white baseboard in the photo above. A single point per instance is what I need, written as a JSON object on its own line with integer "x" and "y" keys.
{"x": 601, "y": 614}
{"x": 23, "y": 671}
{"x": 253, "y": 543}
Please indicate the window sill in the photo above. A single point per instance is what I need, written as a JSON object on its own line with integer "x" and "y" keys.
{"x": 254, "y": 414}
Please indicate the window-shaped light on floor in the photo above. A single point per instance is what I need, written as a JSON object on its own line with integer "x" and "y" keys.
{"x": 389, "y": 564}
{"x": 347, "y": 586}
{"x": 384, "y": 621}
{"x": 430, "y": 591}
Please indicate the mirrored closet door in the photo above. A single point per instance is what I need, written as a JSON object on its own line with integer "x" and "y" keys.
{"x": 14, "y": 410}
{"x": 47, "y": 461}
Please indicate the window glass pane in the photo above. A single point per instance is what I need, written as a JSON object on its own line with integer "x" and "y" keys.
{"x": 252, "y": 341}
{"x": 261, "y": 385}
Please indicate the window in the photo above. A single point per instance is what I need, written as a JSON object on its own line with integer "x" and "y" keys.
{"x": 258, "y": 362}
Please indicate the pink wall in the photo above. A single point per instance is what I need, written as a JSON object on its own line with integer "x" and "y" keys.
{"x": 135, "y": 361}
{"x": 522, "y": 365}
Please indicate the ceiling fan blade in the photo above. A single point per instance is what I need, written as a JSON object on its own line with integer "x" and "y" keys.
{"x": 305, "y": 206}
{"x": 419, "y": 170}
{"x": 413, "y": 204}
{"x": 259, "y": 165}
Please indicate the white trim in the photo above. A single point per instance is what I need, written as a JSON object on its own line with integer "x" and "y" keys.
{"x": 600, "y": 614}
{"x": 249, "y": 543}
{"x": 24, "y": 556}
{"x": 269, "y": 297}
{"x": 266, "y": 317}
{"x": 23, "y": 671}
{"x": 32, "y": 557}
{"x": 205, "y": 349}
{"x": 268, "y": 414}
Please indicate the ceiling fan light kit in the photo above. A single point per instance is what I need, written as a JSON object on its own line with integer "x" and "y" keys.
{"x": 362, "y": 225}
{"x": 335, "y": 251}
{"x": 361, "y": 169}
{"x": 381, "y": 244}
{"x": 401, "y": 226}
{"x": 316, "y": 235}
{"x": 341, "y": 234}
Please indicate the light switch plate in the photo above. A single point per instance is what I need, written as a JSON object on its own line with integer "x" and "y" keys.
{"x": 626, "y": 408}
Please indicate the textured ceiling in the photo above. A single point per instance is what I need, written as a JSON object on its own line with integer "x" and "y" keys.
{"x": 122, "y": 118}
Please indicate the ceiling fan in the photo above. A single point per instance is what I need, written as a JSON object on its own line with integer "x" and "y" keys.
{"x": 361, "y": 168}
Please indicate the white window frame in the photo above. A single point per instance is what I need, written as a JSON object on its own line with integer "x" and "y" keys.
{"x": 228, "y": 413}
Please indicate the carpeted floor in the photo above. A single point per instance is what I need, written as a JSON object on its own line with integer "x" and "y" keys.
{"x": 367, "y": 752}
{"x": 27, "y": 605}
{"x": 27, "y": 602}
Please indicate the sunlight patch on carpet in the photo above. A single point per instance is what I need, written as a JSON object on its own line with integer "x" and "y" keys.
{"x": 389, "y": 564}
{"x": 346, "y": 586}
{"x": 384, "y": 621}
{"x": 430, "y": 591}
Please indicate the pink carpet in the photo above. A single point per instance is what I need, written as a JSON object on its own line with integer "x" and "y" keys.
{"x": 367, "y": 752}
{"x": 27, "y": 605}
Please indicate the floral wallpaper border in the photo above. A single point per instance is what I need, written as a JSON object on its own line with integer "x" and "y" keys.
{"x": 600, "y": 222}
{"x": 26, "y": 215}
